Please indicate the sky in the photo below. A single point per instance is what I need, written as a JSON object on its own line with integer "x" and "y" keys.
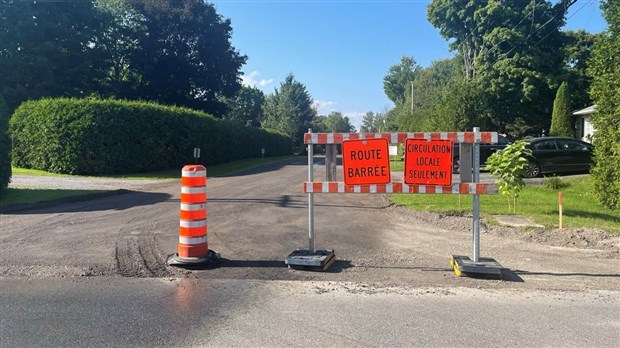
{"x": 341, "y": 49}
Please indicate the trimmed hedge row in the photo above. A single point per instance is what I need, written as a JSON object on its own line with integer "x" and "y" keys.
{"x": 92, "y": 136}
{"x": 5, "y": 146}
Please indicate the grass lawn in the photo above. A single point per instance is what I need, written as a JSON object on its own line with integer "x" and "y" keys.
{"x": 540, "y": 203}
{"x": 14, "y": 196}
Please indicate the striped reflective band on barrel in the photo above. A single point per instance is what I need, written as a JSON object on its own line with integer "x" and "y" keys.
{"x": 192, "y": 240}
{"x": 193, "y": 190}
{"x": 192, "y": 223}
{"x": 399, "y": 138}
{"x": 340, "y": 187}
{"x": 194, "y": 173}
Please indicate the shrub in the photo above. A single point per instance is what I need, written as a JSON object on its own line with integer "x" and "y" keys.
{"x": 555, "y": 183}
{"x": 604, "y": 68}
{"x": 5, "y": 147}
{"x": 509, "y": 165}
{"x": 92, "y": 136}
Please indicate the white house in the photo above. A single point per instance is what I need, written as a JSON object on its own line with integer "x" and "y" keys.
{"x": 583, "y": 126}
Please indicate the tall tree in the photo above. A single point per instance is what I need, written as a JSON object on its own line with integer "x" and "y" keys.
{"x": 398, "y": 78}
{"x": 577, "y": 50}
{"x": 562, "y": 124}
{"x": 604, "y": 68}
{"x": 47, "y": 49}
{"x": 184, "y": 55}
{"x": 511, "y": 48}
{"x": 246, "y": 106}
{"x": 289, "y": 110}
{"x": 368, "y": 122}
{"x": 117, "y": 44}
{"x": 335, "y": 122}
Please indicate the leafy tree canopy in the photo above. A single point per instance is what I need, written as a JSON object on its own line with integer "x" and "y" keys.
{"x": 246, "y": 106}
{"x": 335, "y": 122}
{"x": 47, "y": 49}
{"x": 399, "y": 77}
{"x": 511, "y": 49}
{"x": 184, "y": 55}
{"x": 169, "y": 51}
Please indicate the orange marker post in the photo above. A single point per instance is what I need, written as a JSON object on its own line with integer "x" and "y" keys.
{"x": 193, "y": 246}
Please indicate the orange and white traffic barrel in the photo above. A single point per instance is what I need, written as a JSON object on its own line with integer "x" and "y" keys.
{"x": 193, "y": 246}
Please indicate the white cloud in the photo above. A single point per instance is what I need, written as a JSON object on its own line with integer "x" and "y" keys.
{"x": 324, "y": 107}
{"x": 252, "y": 80}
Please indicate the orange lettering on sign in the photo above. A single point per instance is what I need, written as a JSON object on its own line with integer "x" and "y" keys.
{"x": 366, "y": 161}
{"x": 428, "y": 162}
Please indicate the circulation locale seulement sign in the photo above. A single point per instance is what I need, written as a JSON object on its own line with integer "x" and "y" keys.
{"x": 366, "y": 161}
{"x": 428, "y": 162}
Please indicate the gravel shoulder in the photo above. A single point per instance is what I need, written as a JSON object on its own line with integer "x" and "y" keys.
{"x": 82, "y": 183}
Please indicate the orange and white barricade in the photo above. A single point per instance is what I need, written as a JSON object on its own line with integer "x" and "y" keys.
{"x": 193, "y": 246}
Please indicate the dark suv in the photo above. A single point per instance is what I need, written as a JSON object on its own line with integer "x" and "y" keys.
{"x": 486, "y": 150}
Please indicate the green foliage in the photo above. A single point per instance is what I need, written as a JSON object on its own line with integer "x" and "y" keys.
{"x": 46, "y": 49}
{"x": 368, "y": 123}
{"x": 443, "y": 100}
{"x": 246, "y": 107}
{"x": 503, "y": 52}
{"x": 604, "y": 67}
{"x": 289, "y": 110}
{"x": 5, "y": 147}
{"x": 399, "y": 78}
{"x": 176, "y": 52}
{"x": 509, "y": 165}
{"x": 562, "y": 123}
{"x": 90, "y": 136}
{"x": 555, "y": 183}
{"x": 184, "y": 55}
{"x": 335, "y": 122}
{"x": 577, "y": 50}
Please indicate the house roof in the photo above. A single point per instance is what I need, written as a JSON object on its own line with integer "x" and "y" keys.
{"x": 584, "y": 112}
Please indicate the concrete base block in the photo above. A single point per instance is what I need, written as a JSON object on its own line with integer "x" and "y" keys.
{"x": 484, "y": 268}
{"x": 319, "y": 260}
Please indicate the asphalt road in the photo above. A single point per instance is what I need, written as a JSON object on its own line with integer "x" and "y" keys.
{"x": 93, "y": 273}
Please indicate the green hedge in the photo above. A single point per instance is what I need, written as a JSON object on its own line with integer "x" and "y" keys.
{"x": 5, "y": 146}
{"x": 91, "y": 136}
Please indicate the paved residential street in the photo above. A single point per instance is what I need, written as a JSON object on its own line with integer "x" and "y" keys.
{"x": 93, "y": 273}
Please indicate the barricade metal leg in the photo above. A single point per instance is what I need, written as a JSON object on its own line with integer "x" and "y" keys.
{"x": 463, "y": 265}
{"x": 311, "y": 259}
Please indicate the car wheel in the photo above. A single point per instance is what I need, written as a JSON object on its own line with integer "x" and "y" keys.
{"x": 532, "y": 170}
{"x": 456, "y": 166}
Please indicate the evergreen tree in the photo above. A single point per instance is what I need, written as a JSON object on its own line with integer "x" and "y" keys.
{"x": 368, "y": 122}
{"x": 562, "y": 124}
{"x": 289, "y": 110}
